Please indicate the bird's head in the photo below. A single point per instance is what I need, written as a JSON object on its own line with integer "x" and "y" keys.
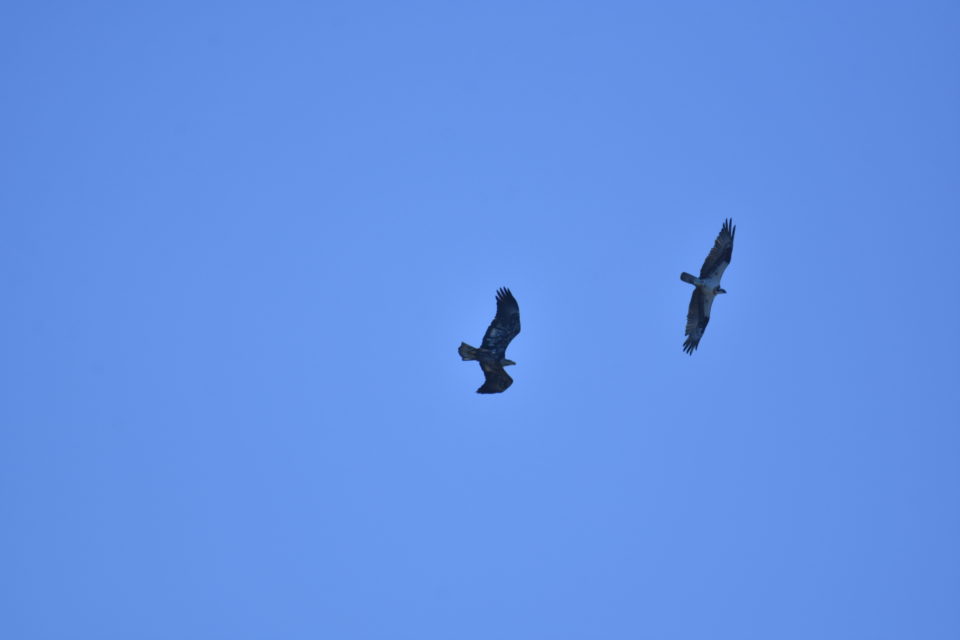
{"x": 506, "y": 363}
{"x": 719, "y": 290}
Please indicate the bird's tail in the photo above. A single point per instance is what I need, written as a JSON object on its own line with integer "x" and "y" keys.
{"x": 467, "y": 352}
{"x": 686, "y": 277}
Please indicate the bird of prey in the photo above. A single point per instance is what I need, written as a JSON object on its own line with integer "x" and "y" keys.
{"x": 490, "y": 355}
{"x": 707, "y": 286}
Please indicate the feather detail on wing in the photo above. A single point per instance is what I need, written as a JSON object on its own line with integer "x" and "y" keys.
{"x": 719, "y": 257}
{"x": 698, "y": 316}
{"x": 497, "y": 380}
{"x": 505, "y": 326}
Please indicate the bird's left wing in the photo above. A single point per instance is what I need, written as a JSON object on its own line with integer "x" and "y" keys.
{"x": 497, "y": 380}
{"x": 698, "y": 316}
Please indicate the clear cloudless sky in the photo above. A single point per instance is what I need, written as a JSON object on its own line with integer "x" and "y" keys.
{"x": 241, "y": 242}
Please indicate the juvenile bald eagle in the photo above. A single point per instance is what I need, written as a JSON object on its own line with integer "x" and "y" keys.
{"x": 490, "y": 355}
{"x": 707, "y": 286}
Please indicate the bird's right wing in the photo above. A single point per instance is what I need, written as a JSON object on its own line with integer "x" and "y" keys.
{"x": 505, "y": 326}
{"x": 719, "y": 257}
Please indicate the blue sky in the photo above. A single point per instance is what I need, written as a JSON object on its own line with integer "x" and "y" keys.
{"x": 240, "y": 243}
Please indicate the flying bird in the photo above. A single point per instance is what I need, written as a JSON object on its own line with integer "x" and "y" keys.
{"x": 490, "y": 355}
{"x": 707, "y": 286}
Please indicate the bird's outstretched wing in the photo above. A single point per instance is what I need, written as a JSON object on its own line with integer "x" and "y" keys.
{"x": 497, "y": 379}
{"x": 505, "y": 326}
{"x": 719, "y": 257}
{"x": 698, "y": 316}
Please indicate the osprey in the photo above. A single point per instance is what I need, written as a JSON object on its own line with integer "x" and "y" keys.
{"x": 503, "y": 329}
{"x": 707, "y": 286}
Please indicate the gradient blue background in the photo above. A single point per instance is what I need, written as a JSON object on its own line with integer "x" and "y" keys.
{"x": 240, "y": 243}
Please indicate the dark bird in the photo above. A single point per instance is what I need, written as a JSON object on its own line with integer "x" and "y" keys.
{"x": 707, "y": 286}
{"x": 490, "y": 355}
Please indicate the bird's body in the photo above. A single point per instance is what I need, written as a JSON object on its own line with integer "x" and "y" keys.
{"x": 707, "y": 286}
{"x": 704, "y": 284}
{"x": 491, "y": 354}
